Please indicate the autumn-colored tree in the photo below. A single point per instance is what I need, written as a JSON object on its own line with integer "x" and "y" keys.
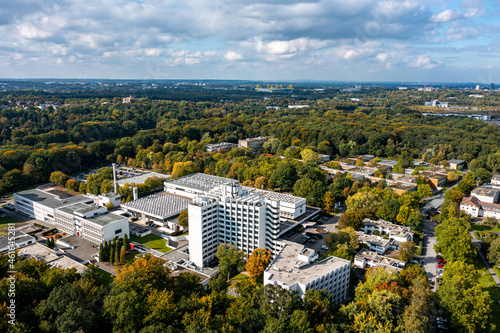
{"x": 257, "y": 262}
{"x": 59, "y": 178}
{"x": 183, "y": 219}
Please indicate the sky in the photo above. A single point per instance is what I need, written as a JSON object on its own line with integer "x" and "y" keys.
{"x": 277, "y": 40}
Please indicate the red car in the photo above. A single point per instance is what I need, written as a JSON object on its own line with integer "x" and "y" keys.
{"x": 442, "y": 261}
{"x": 440, "y": 266}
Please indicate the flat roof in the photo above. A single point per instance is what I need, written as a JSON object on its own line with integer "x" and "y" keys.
{"x": 486, "y": 191}
{"x": 40, "y": 252}
{"x": 19, "y": 237}
{"x": 388, "y": 162}
{"x": 456, "y": 161}
{"x": 72, "y": 208}
{"x": 283, "y": 267}
{"x": 141, "y": 178}
{"x": 200, "y": 181}
{"x": 161, "y": 205}
{"x": 106, "y": 218}
{"x": 50, "y": 200}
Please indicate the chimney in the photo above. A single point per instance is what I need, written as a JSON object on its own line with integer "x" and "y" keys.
{"x": 135, "y": 191}
{"x": 114, "y": 176}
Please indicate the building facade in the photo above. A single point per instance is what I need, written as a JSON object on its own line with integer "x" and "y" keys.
{"x": 231, "y": 214}
{"x": 253, "y": 143}
{"x": 92, "y": 223}
{"x": 41, "y": 205}
{"x": 295, "y": 268}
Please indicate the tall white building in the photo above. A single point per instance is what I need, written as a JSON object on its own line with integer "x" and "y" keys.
{"x": 231, "y": 214}
{"x": 295, "y": 268}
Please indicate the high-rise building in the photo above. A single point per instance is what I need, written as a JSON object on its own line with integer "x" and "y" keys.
{"x": 231, "y": 214}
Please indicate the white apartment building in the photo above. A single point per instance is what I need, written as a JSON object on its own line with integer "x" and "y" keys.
{"x": 231, "y": 214}
{"x": 486, "y": 193}
{"x": 295, "y": 268}
{"x": 495, "y": 179}
{"x": 92, "y": 223}
{"x": 41, "y": 205}
{"x": 375, "y": 243}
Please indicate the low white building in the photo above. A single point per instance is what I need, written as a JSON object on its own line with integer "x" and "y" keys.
{"x": 217, "y": 147}
{"x": 19, "y": 240}
{"x": 41, "y": 205}
{"x": 393, "y": 231}
{"x": 486, "y": 193}
{"x": 495, "y": 179}
{"x": 365, "y": 258}
{"x": 92, "y": 223}
{"x": 295, "y": 268}
{"x": 54, "y": 258}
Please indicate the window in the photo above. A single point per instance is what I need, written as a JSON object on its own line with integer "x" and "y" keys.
{"x": 117, "y": 231}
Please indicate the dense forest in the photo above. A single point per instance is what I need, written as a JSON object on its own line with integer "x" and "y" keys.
{"x": 84, "y": 133}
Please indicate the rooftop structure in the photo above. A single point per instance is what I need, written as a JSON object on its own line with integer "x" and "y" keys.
{"x": 158, "y": 206}
{"x": 365, "y": 258}
{"x": 41, "y": 204}
{"x": 52, "y": 257}
{"x": 295, "y": 268}
{"x": 394, "y": 231}
{"x": 454, "y": 164}
{"x": 19, "y": 240}
{"x": 486, "y": 193}
{"x": 390, "y": 163}
{"x": 141, "y": 179}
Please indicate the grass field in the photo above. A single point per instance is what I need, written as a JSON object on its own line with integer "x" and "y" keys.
{"x": 152, "y": 241}
{"x": 235, "y": 279}
{"x": 482, "y": 227}
{"x": 487, "y": 283}
{"x": 4, "y": 224}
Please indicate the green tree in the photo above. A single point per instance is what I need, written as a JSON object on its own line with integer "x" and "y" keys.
{"x": 230, "y": 258}
{"x": 122, "y": 256}
{"x": 454, "y": 239}
{"x": 452, "y": 176}
{"x": 364, "y": 200}
{"x": 284, "y": 176}
{"x": 126, "y": 242}
{"x": 328, "y": 201}
{"x": 406, "y": 250}
{"x": 309, "y": 156}
{"x": 349, "y": 219}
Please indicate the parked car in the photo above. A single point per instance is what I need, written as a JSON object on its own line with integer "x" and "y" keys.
{"x": 305, "y": 237}
{"x": 442, "y": 327}
{"x": 324, "y": 247}
{"x": 440, "y": 266}
{"x": 441, "y": 319}
{"x": 439, "y": 256}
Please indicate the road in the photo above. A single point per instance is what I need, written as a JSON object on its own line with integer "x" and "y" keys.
{"x": 428, "y": 253}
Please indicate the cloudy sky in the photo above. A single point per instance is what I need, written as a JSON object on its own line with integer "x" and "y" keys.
{"x": 355, "y": 40}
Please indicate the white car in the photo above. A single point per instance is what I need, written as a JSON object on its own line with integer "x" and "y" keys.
{"x": 324, "y": 247}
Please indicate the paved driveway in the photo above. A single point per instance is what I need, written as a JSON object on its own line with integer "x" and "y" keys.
{"x": 428, "y": 253}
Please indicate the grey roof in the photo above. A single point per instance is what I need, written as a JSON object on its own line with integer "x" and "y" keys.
{"x": 106, "y": 218}
{"x": 456, "y": 161}
{"x": 199, "y": 181}
{"x": 51, "y": 200}
{"x": 141, "y": 179}
{"x": 19, "y": 236}
{"x": 161, "y": 205}
{"x": 73, "y": 208}
{"x": 388, "y": 162}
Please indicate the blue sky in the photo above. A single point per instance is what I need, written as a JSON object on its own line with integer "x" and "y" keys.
{"x": 355, "y": 40}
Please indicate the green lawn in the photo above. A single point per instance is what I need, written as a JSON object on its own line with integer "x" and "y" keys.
{"x": 487, "y": 283}
{"x": 482, "y": 227}
{"x": 235, "y": 279}
{"x": 152, "y": 241}
{"x": 130, "y": 256}
{"x": 4, "y": 223}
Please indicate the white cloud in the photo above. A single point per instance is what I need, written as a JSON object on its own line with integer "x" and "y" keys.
{"x": 447, "y": 16}
{"x": 422, "y": 61}
{"x": 232, "y": 55}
